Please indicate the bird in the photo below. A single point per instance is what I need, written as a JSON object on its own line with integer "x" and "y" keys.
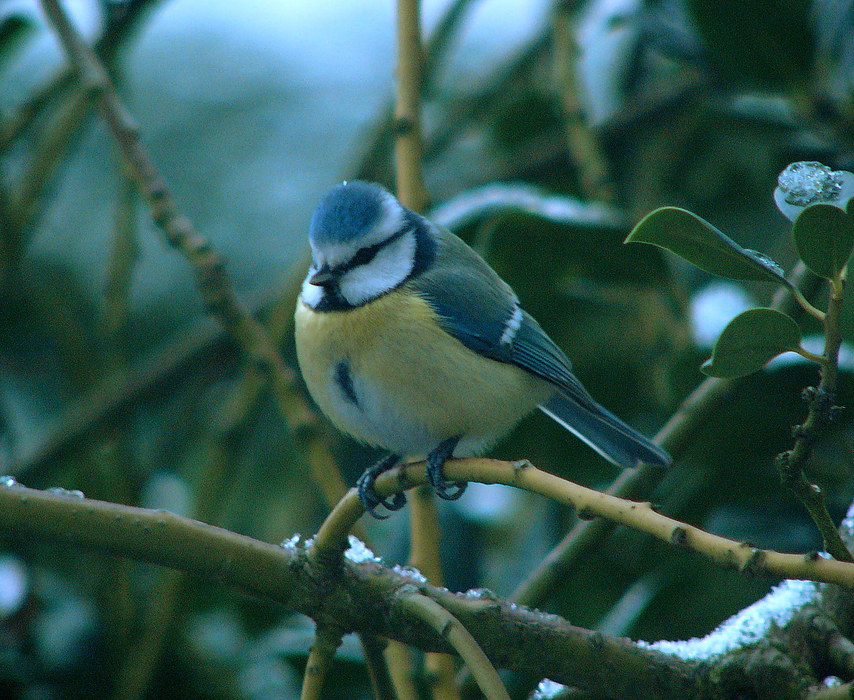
{"x": 410, "y": 342}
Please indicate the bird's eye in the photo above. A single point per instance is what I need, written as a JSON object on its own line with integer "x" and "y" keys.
{"x": 368, "y": 253}
{"x": 365, "y": 255}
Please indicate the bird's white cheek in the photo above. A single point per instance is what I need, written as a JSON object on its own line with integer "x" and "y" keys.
{"x": 386, "y": 271}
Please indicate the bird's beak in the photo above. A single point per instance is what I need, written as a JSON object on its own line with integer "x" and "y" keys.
{"x": 322, "y": 277}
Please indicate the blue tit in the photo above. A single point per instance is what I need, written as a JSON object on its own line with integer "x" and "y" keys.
{"x": 409, "y": 341}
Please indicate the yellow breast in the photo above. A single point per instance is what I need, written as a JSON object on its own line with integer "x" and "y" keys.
{"x": 416, "y": 385}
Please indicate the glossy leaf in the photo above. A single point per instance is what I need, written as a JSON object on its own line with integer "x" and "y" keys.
{"x": 750, "y": 340}
{"x": 700, "y": 243}
{"x": 824, "y": 237}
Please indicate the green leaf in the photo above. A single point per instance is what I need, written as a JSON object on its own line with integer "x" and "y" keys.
{"x": 750, "y": 340}
{"x": 700, "y": 243}
{"x": 824, "y": 237}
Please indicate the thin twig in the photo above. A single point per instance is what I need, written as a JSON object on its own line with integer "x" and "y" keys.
{"x": 449, "y": 627}
{"x": 326, "y": 643}
{"x": 121, "y": 23}
{"x": 821, "y": 413}
{"x": 373, "y": 160}
{"x": 407, "y": 108}
{"x": 425, "y": 539}
{"x": 675, "y": 436}
{"x": 331, "y": 539}
{"x": 213, "y": 280}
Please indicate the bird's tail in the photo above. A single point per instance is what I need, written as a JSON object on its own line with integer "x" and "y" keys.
{"x": 604, "y": 432}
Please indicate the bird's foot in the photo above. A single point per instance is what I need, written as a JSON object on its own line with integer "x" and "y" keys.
{"x": 449, "y": 490}
{"x": 368, "y": 494}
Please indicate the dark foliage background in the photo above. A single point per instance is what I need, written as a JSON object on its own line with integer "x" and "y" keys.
{"x": 115, "y": 382}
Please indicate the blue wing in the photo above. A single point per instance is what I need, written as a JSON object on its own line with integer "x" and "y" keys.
{"x": 472, "y": 302}
{"x": 476, "y": 307}
{"x": 479, "y": 309}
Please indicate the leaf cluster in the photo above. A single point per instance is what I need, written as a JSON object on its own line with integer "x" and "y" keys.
{"x": 823, "y": 234}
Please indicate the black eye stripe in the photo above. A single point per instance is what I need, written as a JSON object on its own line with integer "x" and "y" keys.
{"x": 364, "y": 255}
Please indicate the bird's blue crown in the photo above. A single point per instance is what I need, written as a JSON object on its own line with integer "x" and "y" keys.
{"x": 346, "y": 212}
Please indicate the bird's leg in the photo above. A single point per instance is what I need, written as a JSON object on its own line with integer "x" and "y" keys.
{"x": 450, "y": 491}
{"x": 367, "y": 493}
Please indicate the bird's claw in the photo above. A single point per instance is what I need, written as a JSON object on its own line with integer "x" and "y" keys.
{"x": 368, "y": 495}
{"x": 447, "y": 490}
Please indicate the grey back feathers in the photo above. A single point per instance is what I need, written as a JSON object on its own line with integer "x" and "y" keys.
{"x": 472, "y": 302}
{"x": 478, "y": 308}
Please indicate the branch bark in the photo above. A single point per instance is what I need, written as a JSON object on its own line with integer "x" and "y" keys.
{"x": 354, "y": 597}
{"x": 331, "y": 539}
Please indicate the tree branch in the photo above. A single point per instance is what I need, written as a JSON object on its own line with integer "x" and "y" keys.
{"x": 326, "y": 643}
{"x": 445, "y": 624}
{"x": 331, "y": 539}
{"x": 407, "y": 118}
{"x": 706, "y": 400}
{"x": 213, "y": 280}
{"x": 361, "y": 597}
